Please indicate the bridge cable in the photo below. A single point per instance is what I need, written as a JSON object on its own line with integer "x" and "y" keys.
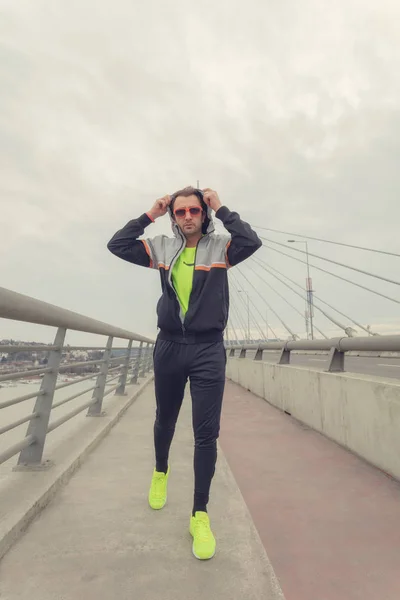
{"x": 261, "y": 316}
{"x": 236, "y": 315}
{"x": 363, "y": 287}
{"x": 294, "y": 336}
{"x": 329, "y": 317}
{"x": 264, "y": 337}
{"x": 259, "y": 312}
{"x": 244, "y": 303}
{"x": 231, "y": 327}
{"x": 239, "y": 318}
{"x": 283, "y": 297}
{"x": 334, "y": 262}
{"x": 369, "y": 331}
{"x": 309, "y": 237}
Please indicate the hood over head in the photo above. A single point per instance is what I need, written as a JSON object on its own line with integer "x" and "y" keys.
{"x": 208, "y": 225}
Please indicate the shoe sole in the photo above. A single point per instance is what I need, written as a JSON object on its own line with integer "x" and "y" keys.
{"x": 199, "y": 558}
{"x": 161, "y": 507}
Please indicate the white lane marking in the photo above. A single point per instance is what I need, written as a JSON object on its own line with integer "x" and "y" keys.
{"x": 386, "y": 365}
{"x": 318, "y": 359}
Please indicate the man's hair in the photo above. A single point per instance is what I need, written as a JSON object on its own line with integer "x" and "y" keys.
{"x": 186, "y": 192}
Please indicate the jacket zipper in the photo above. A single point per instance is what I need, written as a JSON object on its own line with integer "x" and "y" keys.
{"x": 170, "y": 280}
{"x": 171, "y": 268}
{"x": 195, "y": 257}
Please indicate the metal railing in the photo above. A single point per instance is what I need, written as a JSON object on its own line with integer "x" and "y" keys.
{"x": 127, "y": 367}
{"x": 336, "y": 347}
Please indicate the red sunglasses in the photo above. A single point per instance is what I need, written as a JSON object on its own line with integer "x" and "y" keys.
{"x": 192, "y": 210}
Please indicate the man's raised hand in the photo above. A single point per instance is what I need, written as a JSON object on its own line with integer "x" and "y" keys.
{"x": 211, "y": 198}
{"x": 160, "y": 207}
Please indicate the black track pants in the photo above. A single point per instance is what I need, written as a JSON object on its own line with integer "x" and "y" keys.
{"x": 204, "y": 365}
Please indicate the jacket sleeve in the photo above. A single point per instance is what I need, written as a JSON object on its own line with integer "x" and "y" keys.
{"x": 244, "y": 241}
{"x": 125, "y": 244}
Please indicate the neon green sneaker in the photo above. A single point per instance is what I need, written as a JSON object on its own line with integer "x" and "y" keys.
{"x": 158, "y": 490}
{"x": 203, "y": 540}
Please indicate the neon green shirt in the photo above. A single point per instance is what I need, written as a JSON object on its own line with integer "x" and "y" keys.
{"x": 182, "y": 276}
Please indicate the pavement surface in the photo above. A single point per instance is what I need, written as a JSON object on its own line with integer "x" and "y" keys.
{"x": 98, "y": 539}
{"x": 367, "y": 365}
{"x": 63, "y": 436}
{"x": 329, "y": 521}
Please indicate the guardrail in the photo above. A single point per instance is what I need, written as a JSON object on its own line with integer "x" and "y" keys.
{"x": 19, "y": 307}
{"x": 337, "y": 348}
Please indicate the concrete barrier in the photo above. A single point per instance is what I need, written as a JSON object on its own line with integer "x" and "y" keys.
{"x": 360, "y": 412}
{"x": 364, "y": 354}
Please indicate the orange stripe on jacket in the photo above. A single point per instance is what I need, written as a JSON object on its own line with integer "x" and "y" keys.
{"x": 162, "y": 266}
{"x": 145, "y": 244}
{"x": 226, "y": 254}
{"x": 213, "y": 266}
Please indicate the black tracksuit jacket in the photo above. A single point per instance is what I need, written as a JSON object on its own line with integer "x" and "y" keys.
{"x": 208, "y": 309}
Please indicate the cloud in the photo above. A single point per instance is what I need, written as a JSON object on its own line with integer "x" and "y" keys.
{"x": 290, "y": 110}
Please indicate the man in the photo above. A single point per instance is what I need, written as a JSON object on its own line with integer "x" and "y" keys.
{"x": 192, "y": 316}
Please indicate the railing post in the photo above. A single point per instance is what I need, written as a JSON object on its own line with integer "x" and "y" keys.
{"x": 148, "y": 362}
{"x": 120, "y": 391}
{"x": 145, "y": 359}
{"x": 135, "y": 375}
{"x": 131, "y": 369}
{"x": 31, "y": 456}
{"x": 232, "y": 352}
{"x": 336, "y": 361}
{"x": 98, "y": 394}
{"x": 259, "y": 354}
{"x": 242, "y": 353}
{"x": 150, "y": 358}
{"x": 284, "y": 358}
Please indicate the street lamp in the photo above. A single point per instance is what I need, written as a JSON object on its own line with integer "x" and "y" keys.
{"x": 248, "y": 313}
{"x": 309, "y": 290}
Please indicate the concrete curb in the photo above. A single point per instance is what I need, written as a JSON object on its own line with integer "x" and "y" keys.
{"x": 43, "y": 485}
{"x": 265, "y": 567}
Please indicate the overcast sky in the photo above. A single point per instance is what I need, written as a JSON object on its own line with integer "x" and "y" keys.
{"x": 290, "y": 110}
